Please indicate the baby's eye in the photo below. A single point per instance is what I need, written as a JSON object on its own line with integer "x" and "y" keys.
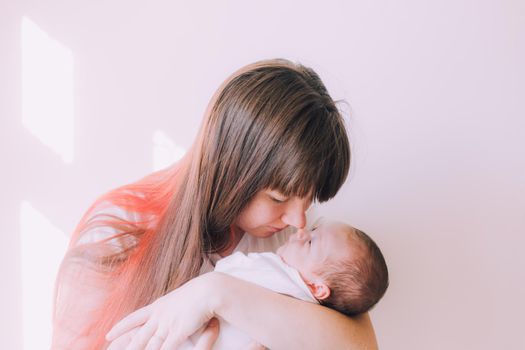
{"x": 310, "y": 242}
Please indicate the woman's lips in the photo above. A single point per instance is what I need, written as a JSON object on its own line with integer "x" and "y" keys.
{"x": 274, "y": 229}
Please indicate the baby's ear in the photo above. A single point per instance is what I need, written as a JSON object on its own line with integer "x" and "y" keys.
{"x": 319, "y": 290}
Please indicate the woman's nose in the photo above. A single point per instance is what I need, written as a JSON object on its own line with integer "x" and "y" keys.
{"x": 295, "y": 217}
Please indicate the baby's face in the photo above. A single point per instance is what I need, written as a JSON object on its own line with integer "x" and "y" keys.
{"x": 308, "y": 250}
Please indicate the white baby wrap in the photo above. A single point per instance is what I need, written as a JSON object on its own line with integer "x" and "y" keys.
{"x": 265, "y": 269}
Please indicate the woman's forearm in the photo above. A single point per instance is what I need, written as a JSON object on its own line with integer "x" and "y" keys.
{"x": 281, "y": 322}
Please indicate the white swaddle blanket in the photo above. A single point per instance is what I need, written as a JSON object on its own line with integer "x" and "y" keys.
{"x": 265, "y": 269}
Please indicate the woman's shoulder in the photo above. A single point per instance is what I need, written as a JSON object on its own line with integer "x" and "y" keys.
{"x": 106, "y": 236}
{"x": 133, "y": 207}
{"x": 105, "y": 220}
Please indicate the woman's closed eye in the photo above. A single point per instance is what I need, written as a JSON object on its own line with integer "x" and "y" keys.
{"x": 278, "y": 199}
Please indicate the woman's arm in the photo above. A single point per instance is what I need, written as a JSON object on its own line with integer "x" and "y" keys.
{"x": 282, "y": 322}
{"x": 274, "y": 320}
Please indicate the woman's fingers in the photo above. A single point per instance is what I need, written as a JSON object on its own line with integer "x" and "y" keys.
{"x": 206, "y": 340}
{"x": 133, "y": 320}
{"x": 208, "y": 336}
{"x": 159, "y": 318}
{"x": 155, "y": 342}
{"x": 122, "y": 342}
{"x": 172, "y": 342}
{"x": 143, "y": 336}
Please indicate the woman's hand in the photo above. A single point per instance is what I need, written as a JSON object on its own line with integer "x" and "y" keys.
{"x": 209, "y": 336}
{"x": 206, "y": 340}
{"x": 170, "y": 320}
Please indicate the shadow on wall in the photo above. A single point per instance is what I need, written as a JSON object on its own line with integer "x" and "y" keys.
{"x": 48, "y": 115}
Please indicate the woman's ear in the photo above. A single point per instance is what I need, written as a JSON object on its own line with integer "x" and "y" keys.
{"x": 319, "y": 290}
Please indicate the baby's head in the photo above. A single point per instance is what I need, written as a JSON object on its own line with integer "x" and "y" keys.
{"x": 342, "y": 266}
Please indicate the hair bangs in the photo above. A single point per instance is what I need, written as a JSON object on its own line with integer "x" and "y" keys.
{"x": 313, "y": 162}
{"x": 293, "y": 179}
{"x": 329, "y": 161}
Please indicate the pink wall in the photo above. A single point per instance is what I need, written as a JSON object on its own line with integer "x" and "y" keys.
{"x": 437, "y": 122}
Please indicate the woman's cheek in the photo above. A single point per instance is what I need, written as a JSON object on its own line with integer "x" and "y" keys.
{"x": 258, "y": 213}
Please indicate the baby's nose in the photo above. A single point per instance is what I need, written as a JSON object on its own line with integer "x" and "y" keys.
{"x": 301, "y": 233}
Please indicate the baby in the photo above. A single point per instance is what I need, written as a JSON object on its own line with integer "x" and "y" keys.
{"x": 342, "y": 266}
{"x": 332, "y": 264}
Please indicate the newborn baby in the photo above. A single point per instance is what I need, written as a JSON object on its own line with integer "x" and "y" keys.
{"x": 342, "y": 266}
{"x": 332, "y": 264}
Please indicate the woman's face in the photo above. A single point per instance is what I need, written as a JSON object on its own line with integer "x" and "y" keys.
{"x": 269, "y": 211}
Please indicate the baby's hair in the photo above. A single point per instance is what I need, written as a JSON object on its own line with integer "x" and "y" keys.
{"x": 358, "y": 282}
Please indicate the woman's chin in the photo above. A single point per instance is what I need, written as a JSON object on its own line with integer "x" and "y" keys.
{"x": 263, "y": 233}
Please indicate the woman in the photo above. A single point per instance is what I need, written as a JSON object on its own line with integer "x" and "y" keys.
{"x": 272, "y": 141}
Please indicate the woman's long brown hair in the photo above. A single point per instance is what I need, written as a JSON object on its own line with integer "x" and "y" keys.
{"x": 272, "y": 124}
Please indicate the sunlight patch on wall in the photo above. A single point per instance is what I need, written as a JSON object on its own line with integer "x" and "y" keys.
{"x": 165, "y": 151}
{"x": 47, "y": 90}
{"x": 42, "y": 248}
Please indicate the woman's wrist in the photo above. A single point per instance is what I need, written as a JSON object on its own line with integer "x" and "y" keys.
{"x": 215, "y": 287}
